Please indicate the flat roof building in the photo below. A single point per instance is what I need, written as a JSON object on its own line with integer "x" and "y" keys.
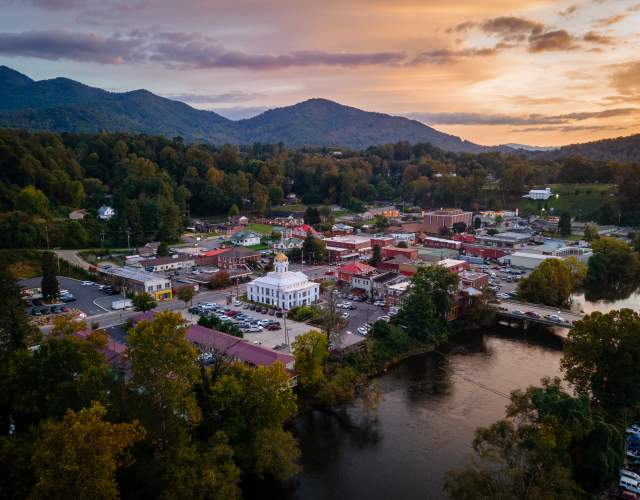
{"x": 137, "y": 281}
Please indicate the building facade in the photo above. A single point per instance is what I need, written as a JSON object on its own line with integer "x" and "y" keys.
{"x": 283, "y": 288}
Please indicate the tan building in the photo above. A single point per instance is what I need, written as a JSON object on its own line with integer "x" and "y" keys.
{"x": 445, "y": 218}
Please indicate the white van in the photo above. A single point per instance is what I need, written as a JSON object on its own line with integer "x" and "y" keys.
{"x": 631, "y": 474}
{"x": 628, "y": 483}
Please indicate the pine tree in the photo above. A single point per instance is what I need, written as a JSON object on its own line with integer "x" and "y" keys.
{"x": 49, "y": 285}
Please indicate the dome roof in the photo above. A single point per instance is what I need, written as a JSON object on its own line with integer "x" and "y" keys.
{"x": 281, "y": 257}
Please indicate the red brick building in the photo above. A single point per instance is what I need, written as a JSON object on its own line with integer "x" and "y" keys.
{"x": 237, "y": 257}
{"x": 445, "y": 218}
{"x": 433, "y": 242}
{"x": 346, "y": 272}
{"x": 382, "y": 241}
{"x": 392, "y": 251}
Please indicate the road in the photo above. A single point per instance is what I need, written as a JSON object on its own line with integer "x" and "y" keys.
{"x": 72, "y": 257}
{"x": 506, "y": 308}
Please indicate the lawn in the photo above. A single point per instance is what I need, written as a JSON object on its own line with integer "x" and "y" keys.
{"x": 582, "y": 201}
{"x": 259, "y": 247}
{"x": 260, "y": 228}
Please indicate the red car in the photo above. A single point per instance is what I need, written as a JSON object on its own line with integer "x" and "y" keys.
{"x": 274, "y": 326}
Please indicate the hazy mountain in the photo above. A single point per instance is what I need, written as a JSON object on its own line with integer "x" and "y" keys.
{"x": 64, "y": 105}
{"x": 527, "y": 147}
{"x": 621, "y": 149}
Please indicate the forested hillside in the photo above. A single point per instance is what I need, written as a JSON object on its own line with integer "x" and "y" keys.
{"x": 154, "y": 183}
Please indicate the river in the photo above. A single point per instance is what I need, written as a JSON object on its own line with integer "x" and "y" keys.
{"x": 425, "y": 424}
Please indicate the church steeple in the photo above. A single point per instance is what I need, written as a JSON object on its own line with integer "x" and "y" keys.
{"x": 281, "y": 263}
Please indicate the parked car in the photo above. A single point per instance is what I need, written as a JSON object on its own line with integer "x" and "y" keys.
{"x": 87, "y": 283}
{"x": 254, "y": 329}
{"x": 35, "y": 311}
{"x": 68, "y": 298}
{"x": 345, "y": 315}
{"x": 37, "y": 302}
{"x": 56, "y": 309}
{"x": 517, "y": 311}
{"x": 532, "y": 314}
{"x": 274, "y": 326}
{"x": 279, "y": 314}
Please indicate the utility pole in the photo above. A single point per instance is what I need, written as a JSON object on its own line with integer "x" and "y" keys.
{"x": 102, "y": 239}
{"x": 128, "y": 236}
{"x": 46, "y": 234}
{"x": 286, "y": 331}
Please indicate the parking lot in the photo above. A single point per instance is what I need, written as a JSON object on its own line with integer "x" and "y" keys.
{"x": 85, "y": 295}
{"x": 265, "y": 337}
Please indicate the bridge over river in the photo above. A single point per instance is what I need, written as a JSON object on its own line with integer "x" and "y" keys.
{"x": 513, "y": 309}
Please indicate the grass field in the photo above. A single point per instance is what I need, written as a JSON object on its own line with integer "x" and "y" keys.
{"x": 260, "y": 228}
{"x": 582, "y": 201}
{"x": 258, "y": 247}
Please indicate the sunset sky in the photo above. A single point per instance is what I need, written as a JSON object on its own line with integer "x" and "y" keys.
{"x": 490, "y": 71}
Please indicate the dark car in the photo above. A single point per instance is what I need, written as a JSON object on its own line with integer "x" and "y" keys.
{"x": 272, "y": 312}
{"x": 274, "y": 326}
{"x": 37, "y": 302}
{"x": 252, "y": 307}
{"x": 35, "y": 311}
{"x": 44, "y": 310}
{"x": 195, "y": 310}
{"x": 532, "y": 314}
{"x": 279, "y": 314}
{"x": 56, "y": 309}
{"x": 68, "y": 298}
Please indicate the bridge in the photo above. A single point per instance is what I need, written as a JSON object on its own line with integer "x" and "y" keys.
{"x": 513, "y": 309}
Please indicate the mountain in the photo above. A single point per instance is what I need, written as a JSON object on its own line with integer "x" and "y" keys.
{"x": 64, "y": 105}
{"x": 621, "y": 149}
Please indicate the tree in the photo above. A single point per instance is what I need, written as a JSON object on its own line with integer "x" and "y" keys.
{"x": 144, "y": 302}
{"x": 164, "y": 369}
{"x": 311, "y": 216}
{"x": 550, "y": 445}
{"x": 499, "y": 220}
{"x": 251, "y": 405}
{"x": 591, "y": 233}
{"x": 32, "y": 201}
{"x": 477, "y": 223}
{"x": 219, "y": 280}
{"x": 601, "y": 356}
{"x": 551, "y": 283}
{"x": 578, "y": 270}
{"x": 79, "y": 456}
{"x": 564, "y": 225}
{"x": 49, "y": 285}
{"x": 163, "y": 250}
{"x": 614, "y": 264}
{"x": 403, "y": 244}
{"x": 185, "y": 294}
{"x": 216, "y": 323}
{"x": 376, "y": 256}
{"x": 424, "y": 311}
{"x": 459, "y": 227}
{"x": 15, "y": 328}
{"x": 313, "y": 248}
{"x": 234, "y": 210}
{"x": 311, "y": 352}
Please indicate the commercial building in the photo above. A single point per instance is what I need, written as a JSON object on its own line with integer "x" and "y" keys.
{"x": 347, "y": 247}
{"x": 346, "y": 272}
{"x": 391, "y": 251}
{"x": 454, "y": 265}
{"x": 170, "y": 263}
{"x": 505, "y": 240}
{"x": 283, "y": 288}
{"x": 237, "y": 257}
{"x": 433, "y": 242}
{"x": 474, "y": 279}
{"x": 134, "y": 280}
{"x": 382, "y": 241}
{"x": 436, "y": 220}
{"x": 528, "y": 260}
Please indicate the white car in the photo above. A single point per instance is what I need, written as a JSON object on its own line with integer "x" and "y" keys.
{"x": 254, "y": 329}
{"x": 345, "y": 315}
{"x": 87, "y": 283}
{"x": 379, "y": 303}
{"x": 362, "y": 331}
{"x": 384, "y": 318}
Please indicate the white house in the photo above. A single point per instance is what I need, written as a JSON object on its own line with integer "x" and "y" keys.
{"x": 245, "y": 238}
{"x": 288, "y": 243}
{"x": 539, "y": 194}
{"x": 106, "y": 212}
{"x": 283, "y": 288}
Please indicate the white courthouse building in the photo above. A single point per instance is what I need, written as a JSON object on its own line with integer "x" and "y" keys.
{"x": 283, "y": 288}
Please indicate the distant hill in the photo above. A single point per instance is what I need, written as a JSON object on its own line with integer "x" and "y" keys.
{"x": 64, "y": 105}
{"x": 526, "y": 147}
{"x": 621, "y": 149}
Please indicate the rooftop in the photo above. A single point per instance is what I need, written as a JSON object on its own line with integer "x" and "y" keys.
{"x": 133, "y": 274}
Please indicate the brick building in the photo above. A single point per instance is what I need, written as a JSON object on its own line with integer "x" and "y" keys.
{"x": 445, "y": 218}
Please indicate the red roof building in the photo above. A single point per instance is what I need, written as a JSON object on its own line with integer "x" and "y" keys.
{"x": 346, "y": 272}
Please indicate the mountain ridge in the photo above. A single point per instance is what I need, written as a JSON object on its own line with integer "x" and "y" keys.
{"x": 65, "y": 105}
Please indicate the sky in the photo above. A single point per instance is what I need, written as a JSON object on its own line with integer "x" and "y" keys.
{"x": 537, "y": 72}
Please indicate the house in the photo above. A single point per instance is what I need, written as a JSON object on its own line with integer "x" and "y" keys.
{"x": 303, "y": 231}
{"x": 288, "y": 244}
{"x": 341, "y": 229}
{"x": 239, "y": 220}
{"x": 245, "y": 238}
{"x": 237, "y": 257}
{"x": 538, "y": 194}
{"x": 395, "y": 292}
{"x": 444, "y": 219}
{"x": 106, "y": 212}
{"x": 148, "y": 250}
{"x": 77, "y": 214}
{"x": 346, "y": 272}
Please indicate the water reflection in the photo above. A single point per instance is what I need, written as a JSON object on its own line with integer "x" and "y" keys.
{"x": 607, "y": 302}
{"x": 424, "y": 427}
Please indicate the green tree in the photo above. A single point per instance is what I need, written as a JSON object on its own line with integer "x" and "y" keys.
{"x": 311, "y": 216}
{"x": 185, "y": 294}
{"x": 564, "y": 225}
{"x": 164, "y": 369}
{"x": 601, "y": 356}
{"x": 15, "y": 328}
{"x": 591, "y": 233}
{"x": 311, "y": 352}
{"x": 234, "y": 210}
{"x": 551, "y": 283}
{"x": 219, "y": 280}
{"x": 144, "y": 302}
{"x": 614, "y": 264}
{"x": 79, "y": 456}
{"x": 49, "y": 283}
{"x": 163, "y": 250}
{"x": 314, "y": 249}
{"x": 251, "y": 405}
{"x": 477, "y": 223}
{"x": 32, "y": 201}
{"x": 424, "y": 311}
{"x": 376, "y": 256}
